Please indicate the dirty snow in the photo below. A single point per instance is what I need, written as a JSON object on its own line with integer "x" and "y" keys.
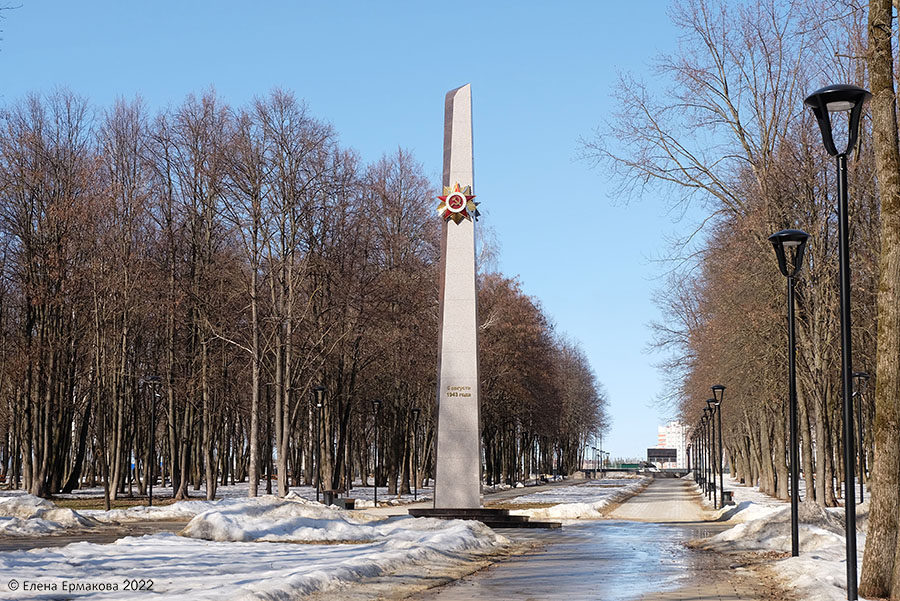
{"x": 764, "y": 524}
{"x": 184, "y": 568}
{"x": 583, "y": 501}
{"x": 27, "y": 515}
{"x": 222, "y": 554}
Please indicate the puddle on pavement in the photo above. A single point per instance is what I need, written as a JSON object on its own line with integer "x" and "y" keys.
{"x": 609, "y": 560}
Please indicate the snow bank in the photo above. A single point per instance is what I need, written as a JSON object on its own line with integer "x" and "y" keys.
{"x": 819, "y": 573}
{"x": 746, "y": 511}
{"x": 27, "y": 515}
{"x": 272, "y": 519}
{"x": 818, "y": 530}
{"x": 201, "y": 570}
{"x": 585, "y": 501}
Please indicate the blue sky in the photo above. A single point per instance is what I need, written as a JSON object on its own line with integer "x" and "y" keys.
{"x": 541, "y": 73}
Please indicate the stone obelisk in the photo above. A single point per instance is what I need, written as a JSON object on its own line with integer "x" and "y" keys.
{"x": 458, "y": 456}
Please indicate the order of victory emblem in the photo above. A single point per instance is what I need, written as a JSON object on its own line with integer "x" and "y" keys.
{"x": 457, "y": 204}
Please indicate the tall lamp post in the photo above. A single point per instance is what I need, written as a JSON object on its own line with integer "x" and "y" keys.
{"x": 319, "y": 393}
{"x": 701, "y": 465}
{"x": 376, "y": 404}
{"x": 859, "y": 380}
{"x": 706, "y": 458}
{"x": 789, "y": 247}
{"x": 694, "y": 455}
{"x": 415, "y": 413}
{"x": 718, "y": 394}
{"x": 840, "y": 98}
{"x": 711, "y": 405}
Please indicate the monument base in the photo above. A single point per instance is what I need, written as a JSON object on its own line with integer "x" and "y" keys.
{"x": 494, "y": 518}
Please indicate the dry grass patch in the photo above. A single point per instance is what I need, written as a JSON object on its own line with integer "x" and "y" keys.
{"x": 98, "y": 503}
{"x": 502, "y": 505}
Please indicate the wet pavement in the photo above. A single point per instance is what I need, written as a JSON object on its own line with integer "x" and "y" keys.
{"x": 100, "y": 535}
{"x": 608, "y": 560}
{"x": 640, "y": 555}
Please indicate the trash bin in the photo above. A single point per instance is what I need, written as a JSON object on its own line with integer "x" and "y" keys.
{"x": 329, "y": 497}
{"x": 728, "y": 497}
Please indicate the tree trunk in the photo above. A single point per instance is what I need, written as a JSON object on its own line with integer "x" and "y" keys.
{"x": 881, "y": 569}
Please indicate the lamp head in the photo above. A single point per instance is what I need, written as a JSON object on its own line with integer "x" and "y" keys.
{"x": 859, "y": 377}
{"x": 376, "y": 403}
{"x": 319, "y": 392}
{"x": 718, "y": 393}
{"x": 789, "y": 247}
{"x": 837, "y": 98}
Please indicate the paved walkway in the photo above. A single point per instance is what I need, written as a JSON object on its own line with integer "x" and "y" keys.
{"x": 641, "y": 556}
{"x": 666, "y": 500}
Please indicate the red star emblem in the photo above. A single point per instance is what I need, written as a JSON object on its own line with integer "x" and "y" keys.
{"x": 457, "y": 204}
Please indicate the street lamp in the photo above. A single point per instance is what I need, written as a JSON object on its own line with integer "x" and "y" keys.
{"x": 707, "y": 459}
{"x": 701, "y": 466}
{"x": 711, "y": 405}
{"x": 154, "y": 381}
{"x": 415, "y": 413}
{"x": 718, "y": 394}
{"x": 789, "y": 247}
{"x": 859, "y": 380}
{"x": 376, "y": 403}
{"x": 319, "y": 393}
{"x": 839, "y": 98}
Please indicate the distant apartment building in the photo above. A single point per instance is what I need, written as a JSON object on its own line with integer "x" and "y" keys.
{"x": 672, "y": 436}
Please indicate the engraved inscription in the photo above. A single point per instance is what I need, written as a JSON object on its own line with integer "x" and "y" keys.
{"x": 459, "y": 391}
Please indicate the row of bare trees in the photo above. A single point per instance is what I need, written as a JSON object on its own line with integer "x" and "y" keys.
{"x": 730, "y": 132}
{"x": 173, "y": 286}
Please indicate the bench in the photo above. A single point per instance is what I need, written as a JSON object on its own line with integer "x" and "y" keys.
{"x": 333, "y": 497}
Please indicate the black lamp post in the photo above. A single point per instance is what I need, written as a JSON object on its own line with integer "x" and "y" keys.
{"x": 789, "y": 248}
{"x": 707, "y": 459}
{"x": 718, "y": 394}
{"x": 376, "y": 404}
{"x": 839, "y": 98}
{"x": 415, "y": 413}
{"x": 701, "y": 466}
{"x": 319, "y": 393}
{"x": 859, "y": 380}
{"x": 711, "y": 405}
{"x": 154, "y": 381}
{"x": 694, "y": 455}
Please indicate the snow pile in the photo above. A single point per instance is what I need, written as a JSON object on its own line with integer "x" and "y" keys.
{"x": 272, "y": 519}
{"x": 746, "y": 511}
{"x": 819, "y": 573}
{"x": 200, "y": 570}
{"x": 585, "y": 501}
{"x": 276, "y": 520}
{"x": 818, "y": 529}
{"x": 27, "y": 515}
{"x": 180, "y": 510}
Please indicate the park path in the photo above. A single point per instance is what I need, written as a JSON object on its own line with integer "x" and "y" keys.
{"x": 666, "y": 500}
{"x": 638, "y": 555}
